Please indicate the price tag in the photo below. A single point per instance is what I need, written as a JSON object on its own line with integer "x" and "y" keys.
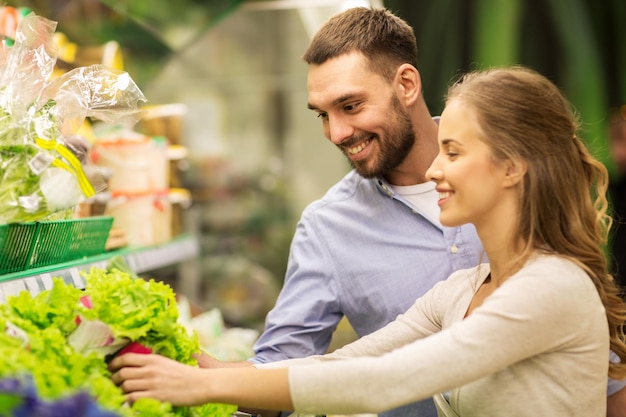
{"x": 76, "y": 278}
{"x": 46, "y": 280}
{"x": 32, "y": 285}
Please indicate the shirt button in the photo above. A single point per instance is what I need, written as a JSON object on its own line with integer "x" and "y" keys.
{"x": 454, "y": 249}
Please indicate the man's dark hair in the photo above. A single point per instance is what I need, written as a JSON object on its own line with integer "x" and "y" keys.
{"x": 383, "y": 38}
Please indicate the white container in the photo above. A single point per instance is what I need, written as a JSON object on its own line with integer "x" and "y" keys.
{"x": 139, "y": 163}
{"x": 145, "y": 217}
{"x": 130, "y": 160}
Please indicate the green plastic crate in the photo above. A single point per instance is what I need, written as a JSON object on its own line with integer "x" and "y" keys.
{"x": 67, "y": 240}
{"x": 16, "y": 246}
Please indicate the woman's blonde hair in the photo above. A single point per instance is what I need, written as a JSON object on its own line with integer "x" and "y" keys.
{"x": 563, "y": 203}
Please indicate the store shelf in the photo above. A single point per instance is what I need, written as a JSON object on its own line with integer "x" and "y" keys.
{"x": 140, "y": 260}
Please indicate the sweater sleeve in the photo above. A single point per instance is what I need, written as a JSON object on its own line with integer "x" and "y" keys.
{"x": 526, "y": 316}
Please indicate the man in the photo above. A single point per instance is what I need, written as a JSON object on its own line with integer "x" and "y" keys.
{"x": 373, "y": 244}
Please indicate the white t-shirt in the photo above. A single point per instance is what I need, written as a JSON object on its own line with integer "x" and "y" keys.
{"x": 424, "y": 197}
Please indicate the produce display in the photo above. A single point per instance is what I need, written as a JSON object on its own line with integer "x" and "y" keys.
{"x": 42, "y": 168}
{"x": 56, "y": 345}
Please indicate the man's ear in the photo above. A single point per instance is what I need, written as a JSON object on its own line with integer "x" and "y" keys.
{"x": 515, "y": 170}
{"x": 409, "y": 83}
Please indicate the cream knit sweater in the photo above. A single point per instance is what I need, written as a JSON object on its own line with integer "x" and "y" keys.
{"x": 537, "y": 347}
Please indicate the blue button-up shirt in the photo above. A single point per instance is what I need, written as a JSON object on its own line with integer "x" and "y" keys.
{"x": 365, "y": 253}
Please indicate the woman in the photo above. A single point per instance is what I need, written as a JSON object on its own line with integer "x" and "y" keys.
{"x": 528, "y": 334}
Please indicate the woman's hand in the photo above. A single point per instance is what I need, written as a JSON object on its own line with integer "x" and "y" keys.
{"x": 155, "y": 376}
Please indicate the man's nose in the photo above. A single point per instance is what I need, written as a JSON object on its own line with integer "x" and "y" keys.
{"x": 339, "y": 130}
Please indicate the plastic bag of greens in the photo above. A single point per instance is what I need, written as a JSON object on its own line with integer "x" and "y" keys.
{"x": 40, "y": 173}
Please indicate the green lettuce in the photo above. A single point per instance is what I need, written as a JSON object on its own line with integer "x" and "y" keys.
{"x": 142, "y": 311}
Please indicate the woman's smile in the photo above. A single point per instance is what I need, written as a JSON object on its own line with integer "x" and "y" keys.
{"x": 443, "y": 197}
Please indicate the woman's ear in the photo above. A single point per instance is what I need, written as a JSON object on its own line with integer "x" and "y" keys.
{"x": 409, "y": 83}
{"x": 515, "y": 170}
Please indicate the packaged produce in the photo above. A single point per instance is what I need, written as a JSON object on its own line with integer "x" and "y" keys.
{"x": 41, "y": 172}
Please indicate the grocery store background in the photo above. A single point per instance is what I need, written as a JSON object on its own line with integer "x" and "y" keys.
{"x": 228, "y": 73}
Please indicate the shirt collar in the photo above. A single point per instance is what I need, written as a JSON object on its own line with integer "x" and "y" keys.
{"x": 384, "y": 187}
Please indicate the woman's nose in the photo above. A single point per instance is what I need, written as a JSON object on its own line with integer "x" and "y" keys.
{"x": 433, "y": 173}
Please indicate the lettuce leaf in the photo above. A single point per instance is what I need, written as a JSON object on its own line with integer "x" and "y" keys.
{"x": 52, "y": 308}
{"x": 140, "y": 310}
{"x": 132, "y": 307}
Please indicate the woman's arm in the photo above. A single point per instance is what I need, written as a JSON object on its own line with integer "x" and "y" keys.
{"x": 155, "y": 376}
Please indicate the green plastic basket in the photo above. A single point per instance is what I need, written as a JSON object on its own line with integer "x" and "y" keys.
{"x": 67, "y": 240}
{"x": 16, "y": 246}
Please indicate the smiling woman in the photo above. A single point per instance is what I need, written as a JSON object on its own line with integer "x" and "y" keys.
{"x": 539, "y": 150}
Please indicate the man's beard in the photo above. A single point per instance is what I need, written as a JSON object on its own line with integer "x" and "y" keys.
{"x": 393, "y": 149}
